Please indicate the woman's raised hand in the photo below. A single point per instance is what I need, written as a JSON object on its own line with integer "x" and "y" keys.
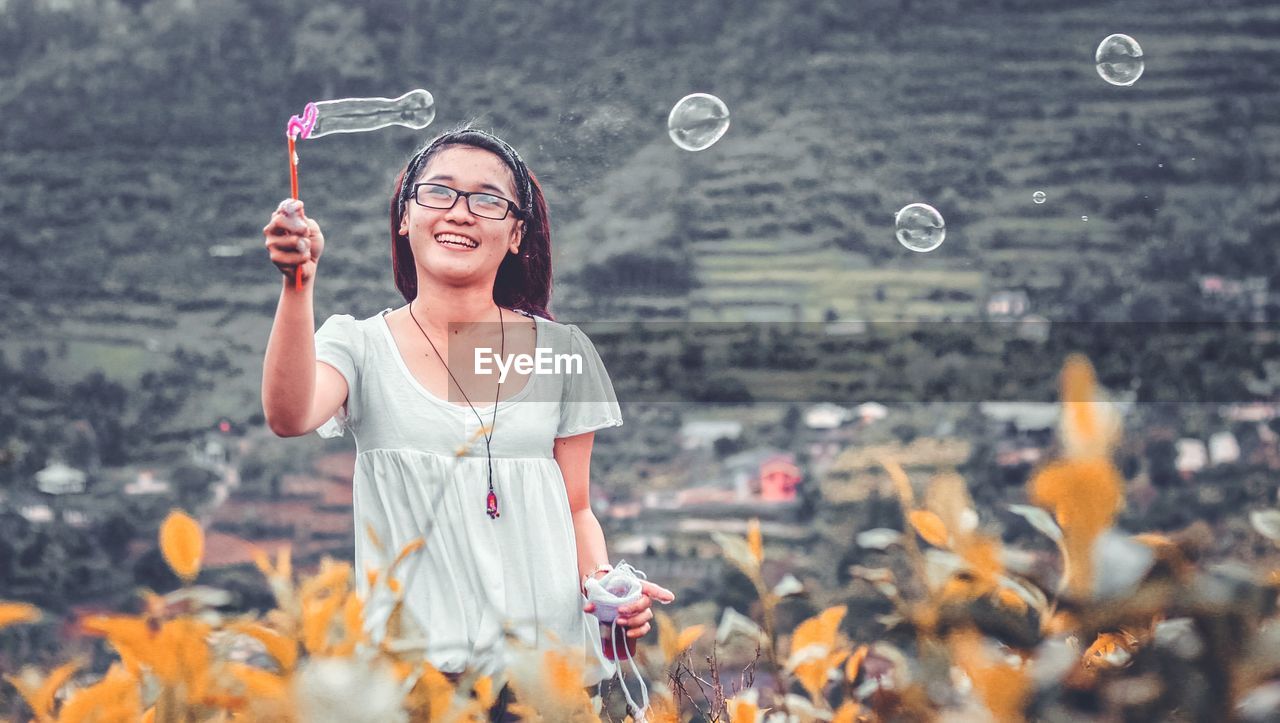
{"x": 293, "y": 240}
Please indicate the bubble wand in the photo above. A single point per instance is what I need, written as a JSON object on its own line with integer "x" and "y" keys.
{"x": 415, "y": 109}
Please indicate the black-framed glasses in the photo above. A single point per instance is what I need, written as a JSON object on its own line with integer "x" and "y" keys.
{"x": 484, "y": 205}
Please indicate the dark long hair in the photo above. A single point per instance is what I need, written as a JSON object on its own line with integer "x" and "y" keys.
{"x": 523, "y": 282}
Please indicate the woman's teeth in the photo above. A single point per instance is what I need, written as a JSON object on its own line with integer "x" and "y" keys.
{"x": 454, "y": 240}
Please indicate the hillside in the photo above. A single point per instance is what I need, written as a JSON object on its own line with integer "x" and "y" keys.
{"x": 142, "y": 154}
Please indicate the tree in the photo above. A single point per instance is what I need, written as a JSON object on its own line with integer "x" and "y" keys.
{"x": 332, "y": 44}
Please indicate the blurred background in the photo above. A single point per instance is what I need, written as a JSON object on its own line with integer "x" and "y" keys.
{"x": 760, "y": 279}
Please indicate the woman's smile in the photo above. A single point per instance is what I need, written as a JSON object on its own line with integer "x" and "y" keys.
{"x": 457, "y": 241}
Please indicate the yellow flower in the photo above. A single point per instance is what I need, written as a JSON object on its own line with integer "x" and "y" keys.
{"x": 182, "y": 544}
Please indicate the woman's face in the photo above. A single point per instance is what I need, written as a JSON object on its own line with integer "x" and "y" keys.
{"x": 454, "y": 244}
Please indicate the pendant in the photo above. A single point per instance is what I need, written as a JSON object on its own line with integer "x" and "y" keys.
{"x": 492, "y": 506}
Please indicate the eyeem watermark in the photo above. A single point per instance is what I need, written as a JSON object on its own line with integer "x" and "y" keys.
{"x": 541, "y": 361}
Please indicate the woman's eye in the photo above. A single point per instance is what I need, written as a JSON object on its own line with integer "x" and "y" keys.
{"x": 438, "y": 192}
{"x": 488, "y": 202}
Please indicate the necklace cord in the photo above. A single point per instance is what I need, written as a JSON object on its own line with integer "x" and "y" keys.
{"x": 488, "y": 436}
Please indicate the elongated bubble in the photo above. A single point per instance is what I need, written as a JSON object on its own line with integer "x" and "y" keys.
{"x": 697, "y": 121}
{"x": 415, "y": 109}
{"x": 1119, "y": 60}
{"x": 920, "y": 227}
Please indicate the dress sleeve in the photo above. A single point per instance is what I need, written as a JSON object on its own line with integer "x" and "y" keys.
{"x": 588, "y": 402}
{"x": 339, "y": 345}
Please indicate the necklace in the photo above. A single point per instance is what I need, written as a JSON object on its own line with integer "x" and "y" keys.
{"x": 491, "y": 502}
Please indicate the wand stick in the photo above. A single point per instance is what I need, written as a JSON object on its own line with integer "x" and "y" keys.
{"x": 293, "y": 190}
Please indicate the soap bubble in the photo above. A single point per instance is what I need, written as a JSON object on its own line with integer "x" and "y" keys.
{"x": 1119, "y": 60}
{"x": 920, "y": 227}
{"x": 1038, "y": 197}
{"x": 698, "y": 121}
{"x": 1084, "y": 218}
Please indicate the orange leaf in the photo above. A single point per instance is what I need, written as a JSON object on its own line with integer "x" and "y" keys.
{"x": 331, "y": 580}
{"x": 414, "y": 545}
{"x": 688, "y": 636}
{"x": 181, "y": 655}
{"x": 667, "y": 635}
{"x": 813, "y": 675}
{"x": 743, "y": 709}
{"x": 259, "y": 684}
{"x": 662, "y": 709}
{"x": 317, "y": 617}
{"x": 1003, "y": 688}
{"x": 39, "y": 696}
{"x": 930, "y": 527}
{"x": 116, "y": 698}
{"x": 283, "y": 650}
{"x": 983, "y": 557}
{"x": 182, "y": 544}
{"x": 853, "y": 665}
{"x": 1089, "y": 427}
{"x": 131, "y": 637}
{"x": 353, "y": 626}
{"x": 1084, "y": 495}
{"x": 901, "y": 483}
{"x": 1111, "y": 650}
{"x": 13, "y": 613}
{"x": 819, "y": 630}
{"x": 755, "y": 541}
{"x": 847, "y": 713}
{"x": 484, "y": 691}
{"x": 1011, "y": 600}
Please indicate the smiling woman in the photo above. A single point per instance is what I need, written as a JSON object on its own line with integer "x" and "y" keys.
{"x": 491, "y": 470}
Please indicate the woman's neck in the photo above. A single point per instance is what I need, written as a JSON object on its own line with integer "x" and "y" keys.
{"x": 440, "y": 306}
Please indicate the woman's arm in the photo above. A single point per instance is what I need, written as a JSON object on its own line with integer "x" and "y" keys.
{"x": 298, "y": 392}
{"x": 573, "y": 454}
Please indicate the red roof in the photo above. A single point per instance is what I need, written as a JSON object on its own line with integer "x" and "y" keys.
{"x": 235, "y": 511}
{"x": 337, "y": 494}
{"x": 330, "y": 523}
{"x": 340, "y": 465}
{"x": 223, "y": 550}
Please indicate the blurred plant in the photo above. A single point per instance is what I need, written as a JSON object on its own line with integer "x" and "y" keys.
{"x": 997, "y": 634}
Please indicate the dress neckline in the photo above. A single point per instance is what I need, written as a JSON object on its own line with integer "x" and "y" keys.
{"x": 413, "y": 381}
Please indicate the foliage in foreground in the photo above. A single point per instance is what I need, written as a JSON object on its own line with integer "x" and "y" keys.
{"x": 1112, "y": 627}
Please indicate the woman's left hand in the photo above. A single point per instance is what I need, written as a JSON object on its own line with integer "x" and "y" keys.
{"x": 636, "y": 616}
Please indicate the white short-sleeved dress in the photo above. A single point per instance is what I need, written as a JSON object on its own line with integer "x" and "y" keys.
{"x": 477, "y": 575}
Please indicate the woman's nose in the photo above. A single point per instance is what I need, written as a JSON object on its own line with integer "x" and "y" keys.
{"x": 461, "y": 210}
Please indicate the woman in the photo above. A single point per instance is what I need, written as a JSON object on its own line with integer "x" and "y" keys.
{"x": 492, "y": 472}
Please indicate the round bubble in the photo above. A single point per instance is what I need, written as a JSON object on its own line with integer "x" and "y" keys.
{"x": 1038, "y": 197}
{"x": 697, "y": 121}
{"x": 1084, "y": 218}
{"x": 1119, "y": 60}
{"x": 920, "y": 227}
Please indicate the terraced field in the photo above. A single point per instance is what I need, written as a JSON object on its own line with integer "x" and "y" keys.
{"x": 790, "y": 215}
